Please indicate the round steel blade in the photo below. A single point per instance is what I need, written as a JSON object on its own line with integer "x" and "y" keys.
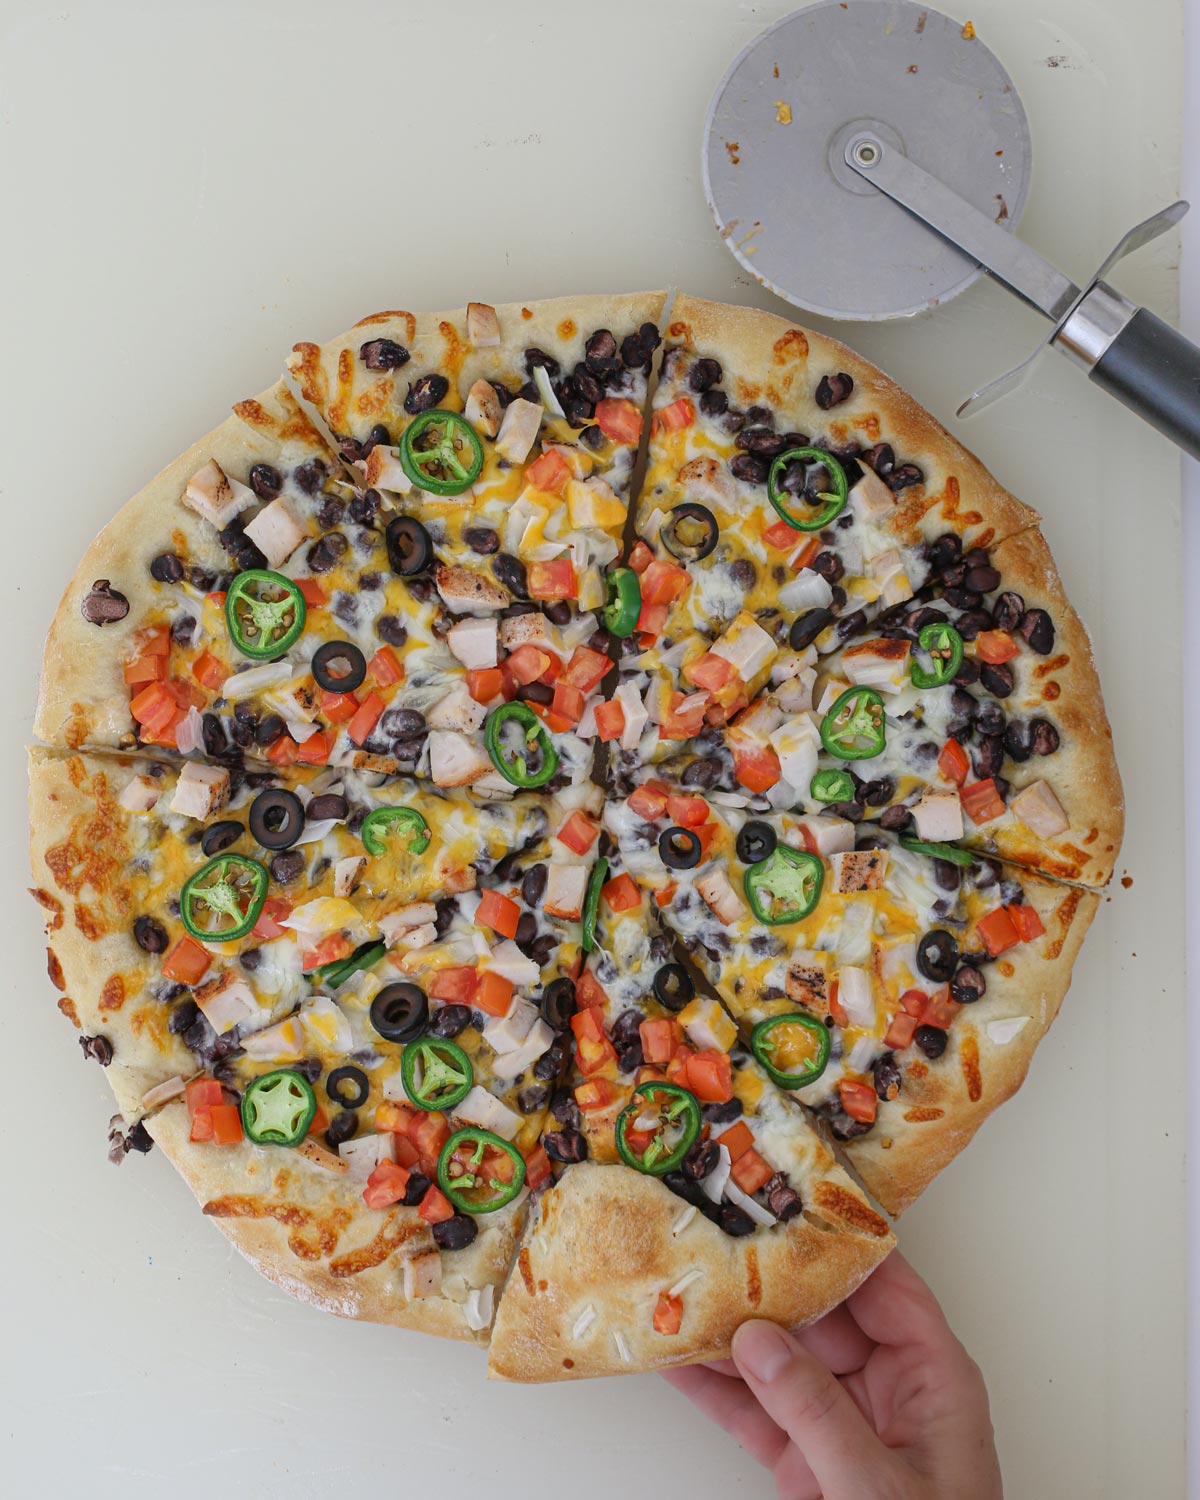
{"x": 786, "y": 204}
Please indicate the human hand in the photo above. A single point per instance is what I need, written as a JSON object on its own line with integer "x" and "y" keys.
{"x": 876, "y": 1401}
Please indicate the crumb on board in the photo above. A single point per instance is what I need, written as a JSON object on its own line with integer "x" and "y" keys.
{"x": 968, "y": 31}
{"x": 733, "y": 147}
{"x": 783, "y": 112}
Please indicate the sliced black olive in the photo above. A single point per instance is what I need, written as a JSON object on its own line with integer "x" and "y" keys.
{"x": 558, "y": 1003}
{"x": 690, "y": 532}
{"x": 409, "y": 546}
{"x": 756, "y": 840}
{"x": 219, "y": 836}
{"x": 339, "y": 666}
{"x": 276, "y": 818}
{"x": 348, "y": 1086}
{"x": 400, "y": 1012}
{"x": 674, "y": 986}
{"x": 937, "y": 955}
{"x": 807, "y": 627}
{"x": 679, "y": 848}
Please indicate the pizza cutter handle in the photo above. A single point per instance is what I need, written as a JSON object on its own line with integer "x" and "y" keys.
{"x": 1139, "y": 359}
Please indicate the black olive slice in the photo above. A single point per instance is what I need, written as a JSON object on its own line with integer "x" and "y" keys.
{"x": 756, "y": 840}
{"x": 558, "y": 1003}
{"x": 409, "y": 547}
{"x": 674, "y": 986}
{"x": 339, "y": 666}
{"x": 690, "y": 532}
{"x": 276, "y": 818}
{"x": 679, "y": 848}
{"x": 937, "y": 955}
{"x": 400, "y": 1012}
{"x": 348, "y": 1086}
{"x": 219, "y": 836}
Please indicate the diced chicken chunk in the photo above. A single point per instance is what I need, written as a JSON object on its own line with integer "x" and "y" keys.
{"x": 505, "y": 1032}
{"x": 364, "y": 1153}
{"x": 872, "y": 495}
{"x": 527, "y": 630}
{"x": 383, "y": 470}
{"x": 807, "y": 982}
{"x": 280, "y": 1043}
{"x": 518, "y": 430}
{"x": 483, "y": 326}
{"x": 321, "y": 1156}
{"x": 140, "y": 793}
{"x": 513, "y": 1064}
{"x": 347, "y": 873}
{"x": 200, "y": 790}
{"x": 896, "y": 589}
{"x": 881, "y": 664}
{"x": 856, "y": 995}
{"x": 226, "y": 1001}
{"x": 454, "y": 760}
{"x": 1040, "y": 810}
{"x": 457, "y": 710}
{"x": 796, "y": 743}
{"x": 485, "y": 1110}
{"x": 482, "y": 408}
{"x": 636, "y": 715}
{"x": 163, "y": 1093}
{"x": 507, "y": 959}
{"x": 212, "y": 494}
{"x": 707, "y": 1026}
{"x": 938, "y": 817}
{"x": 746, "y": 646}
{"x": 406, "y": 919}
{"x": 423, "y": 1275}
{"x": 592, "y": 502}
{"x": 859, "y": 869}
{"x": 830, "y": 693}
{"x": 720, "y": 897}
{"x": 707, "y": 480}
{"x": 827, "y": 835}
{"x": 415, "y": 938}
{"x": 473, "y": 641}
{"x": 467, "y": 591}
{"x": 276, "y": 531}
{"x": 565, "y": 890}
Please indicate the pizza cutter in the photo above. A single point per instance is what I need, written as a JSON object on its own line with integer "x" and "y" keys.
{"x": 869, "y": 159}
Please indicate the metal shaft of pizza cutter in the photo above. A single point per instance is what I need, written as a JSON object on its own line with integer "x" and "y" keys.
{"x": 1125, "y": 349}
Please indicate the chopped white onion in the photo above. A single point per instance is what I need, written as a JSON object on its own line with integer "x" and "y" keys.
{"x": 189, "y": 734}
{"x": 862, "y": 1054}
{"x": 683, "y": 1219}
{"x": 541, "y": 378}
{"x": 583, "y": 1322}
{"x": 621, "y": 1346}
{"x": 714, "y": 1183}
{"x": 478, "y": 1309}
{"x": 255, "y": 679}
{"x": 756, "y": 1211}
{"x": 300, "y": 730}
{"x": 684, "y": 1281}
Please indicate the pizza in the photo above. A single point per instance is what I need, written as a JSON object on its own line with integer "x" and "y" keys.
{"x": 560, "y": 819}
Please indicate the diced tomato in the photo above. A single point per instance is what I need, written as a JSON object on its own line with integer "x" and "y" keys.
{"x": 668, "y": 1313}
{"x": 509, "y": 685}
{"x": 588, "y": 1022}
{"x": 328, "y": 951}
{"x": 651, "y": 621}
{"x": 785, "y": 538}
{"x": 337, "y": 708}
{"x": 314, "y": 594}
{"x": 484, "y": 683}
{"x": 203, "y": 1093}
{"x": 640, "y": 557}
{"x": 589, "y": 993}
{"x": 1026, "y": 920}
{"x": 494, "y": 994}
{"x": 981, "y": 801}
{"x": 706, "y": 833}
{"x": 596, "y": 1093}
{"x": 284, "y": 751}
{"x": 537, "y": 1166}
{"x": 940, "y": 1010}
{"x": 555, "y": 723}
{"x": 149, "y": 667}
{"x": 840, "y": 1018}
{"x": 393, "y": 1117}
{"x": 710, "y": 1076}
{"x": 187, "y": 962}
{"x": 274, "y": 909}
{"x": 688, "y": 812}
{"x": 953, "y": 762}
{"x": 568, "y": 702}
{"x": 586, "y": 668}
{"x": 553, "y": 580}
{"x": 619, "y": 419}
{"x": 673, "y": 418}
{"x": 757, "y": 768}
{"x": 591, "y": 1056}
{"x": 684, "y": 716}
{"x": 455, "y": 986}
{"x": 649, "y": 800}
{"x": 154, "y": 707}
{"x": 678, "y": 1066}
{"x": 319, "y": 1122}
{"x": 385, "y": 667}
{"x": 998, "y": 931}
{"x": 751, "y": 1172}
{"x": 621, "y": 893}
{"x": 202, "y": 1124}
{"x": 154, "y": 641}
{"x": 386, "y": 1185}
{"x": 226, "y": 1124}
{"x": 709, "y": 672}
{"x": 995, "y": 646}
{"x": 527, "y": 664}
{"x": 858, "y": 1101}
{"x": 901, "y": 1031}
{"x": 660, "y": 1039}
{"x": 610, "y": 720}
{"x": 429, "y": 1134}
{"x": 366, "y": 718}
{"x": 578, "y": 832}
{"x": 913, "y": 1002}
{"x": 499, "y": 912}
{"x": 548, "y": 472}
{"x": 553, "y": 671}
{"x": 663, "y": 582}
{"x": 315, "y": 749}
{"x": 665, "y": 894}
{"x": 405, "y": 1152}
{"x": 209, "y": 671}
{"x": 737, "y": 1140}
{"x": 216, "y": 600}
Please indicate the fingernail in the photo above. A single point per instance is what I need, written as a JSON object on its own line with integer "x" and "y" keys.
{"x": 761, "y": 1349}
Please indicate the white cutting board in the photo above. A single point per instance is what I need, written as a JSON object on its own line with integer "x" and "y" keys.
{"x": 187, "y": 190}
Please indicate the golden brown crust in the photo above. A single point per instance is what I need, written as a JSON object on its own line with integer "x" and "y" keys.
{"x": 602, "y": 1239}
{"x": 942, "y": 1104}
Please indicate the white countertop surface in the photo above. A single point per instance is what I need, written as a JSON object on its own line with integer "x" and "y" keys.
{"x": 190, "y": 189}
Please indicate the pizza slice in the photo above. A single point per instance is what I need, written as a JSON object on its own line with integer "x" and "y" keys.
{"x": 917, "y": 980}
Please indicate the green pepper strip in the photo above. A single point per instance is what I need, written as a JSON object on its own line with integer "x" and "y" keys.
{"x": 624, "y": 593}
{"x": 679, "y": 1112}
{"x": 763, "y": 1046}
{"x": 853, "y": 727}
{"x": 790, "y": 880}
{"x": 591, "y": 903}
{"x": 446, "y": 1073}
{"x": 335, "y": 974}
{"x": 230, "y": 887}
{"x": 835, "y": 500}
{"x": 456, "y": 1187}
{"x": 278, "y": 1108}
{"x": 514, "y": 768}
{"x": 952, "y": 852}
{"x": 945, "y": 647}
{"x": 456, "y": 434}
{"x": 377, "y": 825}
{"x": 832, "y": 786}
{"x": 259, "y": 626}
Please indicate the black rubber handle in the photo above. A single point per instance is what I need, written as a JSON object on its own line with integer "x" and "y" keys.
{"x": 1155, "y": 372}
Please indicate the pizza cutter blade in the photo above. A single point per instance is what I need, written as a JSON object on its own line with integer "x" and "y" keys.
{"x": 869, "y": 159}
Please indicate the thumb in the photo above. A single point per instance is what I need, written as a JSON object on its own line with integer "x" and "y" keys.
{"x": 804, "y": 1398}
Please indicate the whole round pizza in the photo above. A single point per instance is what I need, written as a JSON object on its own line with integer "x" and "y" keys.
{"x": 560, "y": 819}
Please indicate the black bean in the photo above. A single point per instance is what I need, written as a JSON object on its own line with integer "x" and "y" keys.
{"x": 702, "y": 774}
{"x": 533, "y": 1097}
{"x": 310, "y": 476}
{"x": 510, "y": 571}
{"x": 551, "y": 1062}
{"x": 1007, "y": 611}
{"x": 782, "y": 1199}
{"x": 391, "y": 630}
{"x": 97, "y": 1048}
{"x": 565, "y": 1145}
{"x": 327, "y": 805}
{"x": 735, "y": 1221}
{"x": 456, "y": 1233}
{"x": 449, "y": 1020}
{"x": 944, "y": 552}
{"x": 149, "y": 935}
{"x": 533, "y": 886}
{"x": 878, "y": 792}
{"x": 905, "y": 475}
{"x": 701, "y": 1158}
{"x": 182, "y": 1016}
{"x": 968, "y": 985}
{"x": 383, "y": 354}
{"x": 881, "y": 458}
{"x": 989, "y": 717}
{"x": 714, "y": 403}
{"x": 167, "y": 567}
{"x": 427, "y": 392}
{"x": 704, "y": 374}
{"x": 760, "y": 440}
{"x": 691, "y": 1192}
{"x": 103, "y": 604}
{"x": 287, "y": 866}
{"x": 341, "y": 1128}
{"x": 402, "y": 723}
{"x": 418, "y": 1186}
{"x": 972, "y": 622}
{"x": 1037, "y": 629}
{"x": 998, "y": 677}
{"x": 743, "y": 573}
{"x": 830, "y": 566}
{"x": 265, "y": 481}
{"x": 850, "y": 623}
{"x": 968, "y": 673}
{"x": 1045, "y": 737}
{"x": 600, "y": 352}
{"x": 930, "y": 1040}
{"x": 947, "y": 875}
{"x": 364, "y": 507}
{"x": 851, "y": 811}
{"x": 895, "y": 818}
{"x": 1018, "y": 740}
{"x": 724, "y": 1113}
{"x": 833, "y": 389}
{"x": 748, "y": 468}
{"x": 987, "y": 757}
{"x": 269, "y": 728}
{"x": 886, "y": 1074}
{"x": 937, "y": 955}
{"x": 982, "y": 579}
